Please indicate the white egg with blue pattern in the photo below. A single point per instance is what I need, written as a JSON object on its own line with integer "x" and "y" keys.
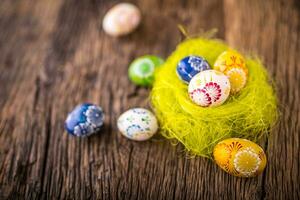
{"x": 138, "y": 124}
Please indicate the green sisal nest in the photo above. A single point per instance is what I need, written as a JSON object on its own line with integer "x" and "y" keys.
{"x": 249, "y": 114}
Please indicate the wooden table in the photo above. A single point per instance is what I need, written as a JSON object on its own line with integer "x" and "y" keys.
{"x": 55, "y": 55}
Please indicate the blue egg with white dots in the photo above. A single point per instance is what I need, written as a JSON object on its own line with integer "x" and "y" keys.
{"x": 86, "y": 119}
{"x": 189, "y": 66}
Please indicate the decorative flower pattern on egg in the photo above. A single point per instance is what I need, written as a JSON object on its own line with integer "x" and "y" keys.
{"x": 237, "y": 78}
{"x": 83, "y": 129}
{"x": 232, "y": 64}
{"x": 189, "y": 66}
{"x": 84, "y": 120}
{"x": 240, "y": 157}
{"x": 133, "y": 130}
{"x": 210, "y": 93}
{"x": 141, "y": 70}
{"x": 137, "y": 124}
{"x": 198, "y": 63}
{"x": 146, "y": 69}
{"x": 94, "y": 116}
{"x": 214, "y": 90}
{"x": 246, "y": 162}
{"x": 200, "y": 95}
{"x": 209, "y": 88}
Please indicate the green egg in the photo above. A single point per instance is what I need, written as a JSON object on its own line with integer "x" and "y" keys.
{"x": 141, "y": 70}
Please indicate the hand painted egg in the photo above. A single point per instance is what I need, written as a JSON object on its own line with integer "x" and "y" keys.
{"x": 189, "y": 66}
{"x": 209, "y": 88}
{"x": 84, "y": 120}
{"x": 240, "y": 157}
{"x": 141, "y": 70}
{"x": 121, "y": 19}
{"x": 137, "y": 124}
{"x": 232, "y": 64}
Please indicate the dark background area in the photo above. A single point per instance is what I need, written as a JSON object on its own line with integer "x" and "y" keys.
{"x": 55, "y": 55}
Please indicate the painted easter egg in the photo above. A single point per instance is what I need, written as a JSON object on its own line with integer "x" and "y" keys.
{"x": 121, "y": 19}
{"x": 189, "y": 66}
{"x": 84, "y": 120}
{"x": 240, "y": 157}
{"x": 232, "y": 64}
{"x": 137, "y": 124}
{"x": 209, "y": 88}
{"x": 141, "y": 70}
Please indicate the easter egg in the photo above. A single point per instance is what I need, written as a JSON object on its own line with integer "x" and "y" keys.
{"x": 141, "y": 70}
{"x": 137, "y": 124}
{"x": 84, "y": 120}
{"x": 121, "y": 19}
{"x": 189, "y": 66}
{"x": 232, "y": 64}
{"x": 240, "y": 157}
{"x": 209, "y": 88}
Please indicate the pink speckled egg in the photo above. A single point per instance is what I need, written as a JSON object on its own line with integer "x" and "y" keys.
{"x": 121, "y": 19}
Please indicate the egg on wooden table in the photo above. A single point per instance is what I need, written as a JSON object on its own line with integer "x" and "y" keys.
{"x": 84, "y": 120}
{"x": 209, "y": 88}
{"x": 121, "y": 19}
{"x": 137, "y": 124}
{"x": 240, "y": 157}
{"x": 232, "y": 64}
{"x": 141, "y": 70}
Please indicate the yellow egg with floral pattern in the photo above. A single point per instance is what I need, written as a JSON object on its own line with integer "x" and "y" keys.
{"x": 232, "y": 64}
{"x": 240, "y": 157}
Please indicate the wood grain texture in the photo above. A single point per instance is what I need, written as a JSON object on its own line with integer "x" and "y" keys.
{"x": 54, "y": 55}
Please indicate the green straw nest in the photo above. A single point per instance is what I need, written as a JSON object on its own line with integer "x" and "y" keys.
{"x": 249, "y": 114}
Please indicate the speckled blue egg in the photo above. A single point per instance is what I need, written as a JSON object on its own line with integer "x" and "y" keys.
{"x": 84, "y": 120}
{"x": 189, "y": 66}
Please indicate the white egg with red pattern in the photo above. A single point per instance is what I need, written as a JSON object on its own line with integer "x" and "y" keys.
{"x": 209, "y": 88}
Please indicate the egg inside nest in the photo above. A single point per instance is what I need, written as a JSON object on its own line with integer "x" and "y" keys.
{"x": 248, "y": 114}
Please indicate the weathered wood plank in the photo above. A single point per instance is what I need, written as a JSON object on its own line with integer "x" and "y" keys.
{"x": 273, "y": 32}
{"x": 25, "y": 27}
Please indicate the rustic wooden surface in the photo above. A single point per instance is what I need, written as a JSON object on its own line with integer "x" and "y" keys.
{"x": 54, "y": 55}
